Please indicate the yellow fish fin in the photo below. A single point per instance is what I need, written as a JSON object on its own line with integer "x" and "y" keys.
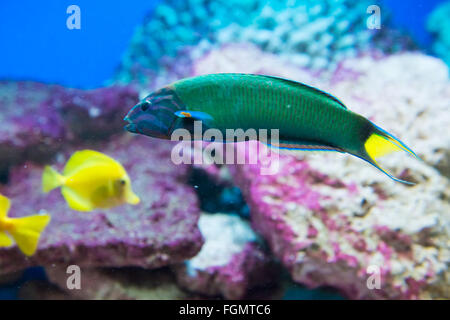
{"x": 51, "y": 179}
{"x": 4, "y": 206}
{"x": 377, "y": 146}
{"x": 81, "y": 158}
{"x": 26, "y": 232}
{"x": 5, "y": 240}
{"x": 75, "y": 201}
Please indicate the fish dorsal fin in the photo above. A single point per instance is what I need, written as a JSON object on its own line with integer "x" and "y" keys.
{"x": 295, "y": 83}
{"x": 81, "y": 158}
{"x": 4, "y": 206}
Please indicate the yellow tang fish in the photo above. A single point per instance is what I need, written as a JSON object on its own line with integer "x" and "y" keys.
{"x": 25, "y": 231}
{"x": 91, "y": 180}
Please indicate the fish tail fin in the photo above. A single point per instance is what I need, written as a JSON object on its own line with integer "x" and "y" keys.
{"x": 26, "y": 232}
{"x": 381, "y": 143}
{"x": 51, "y": 179}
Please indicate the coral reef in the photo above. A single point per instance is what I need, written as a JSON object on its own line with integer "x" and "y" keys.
{"x": 231, "y": 261}
{"x": 161, "y": 230}
{"x": 439, "y": 25}
{"x": 236, "y": 57}
{"x": 328, "y": 218}
{"x": 313, "y": 34}
{"x": 328, "y": 232}
{"x": 39, "y": 120}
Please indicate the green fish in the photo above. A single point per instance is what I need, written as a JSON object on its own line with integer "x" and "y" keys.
{"x": 307, "y": 118}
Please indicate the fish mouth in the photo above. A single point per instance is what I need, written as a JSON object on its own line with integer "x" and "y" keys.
{"x": 131, "y": 127}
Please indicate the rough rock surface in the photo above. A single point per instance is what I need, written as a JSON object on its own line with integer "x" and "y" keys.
{"x": 93, "y": 114}
{"x": 29, "y": 130}
{"x": 330, "y": 217}
{"x": 231, "y": 261}
{"x": 120, "y": 283}
{"x": 38, "y": 119}
{"x": 241, "y": 58}
{"x": 161, "y": 230}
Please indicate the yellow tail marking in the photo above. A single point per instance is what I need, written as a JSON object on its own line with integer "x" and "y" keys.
{"x": 379, "y": 146}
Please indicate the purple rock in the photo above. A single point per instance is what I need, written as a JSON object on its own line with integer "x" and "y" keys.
{"x": 29, "y": 130}
{"x": 161, "y": 230}
{"x": 93, "y": 114}
{"x": 332, "y": 233}
{"x": 114, "y": 284}
{"x": 230, "y": 263}
{"x": 38, "y": 120}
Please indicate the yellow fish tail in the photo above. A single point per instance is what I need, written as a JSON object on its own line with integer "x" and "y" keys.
{"x": 5, "y": 240}
{"x": 381, "y": 143}
{"x": 26, "y": 232}
{"x": 51, "y": 179}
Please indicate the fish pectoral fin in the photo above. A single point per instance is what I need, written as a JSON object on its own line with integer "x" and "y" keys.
{"x": 195, "y": 115}
{"x": 75, "y": 201}
{"x": 5, "y": 240}
{"x": 292, "y": 146}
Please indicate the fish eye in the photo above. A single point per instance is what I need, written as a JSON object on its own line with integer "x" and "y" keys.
{"x": 122, "y": 182}
{"x": 145, "y": 105}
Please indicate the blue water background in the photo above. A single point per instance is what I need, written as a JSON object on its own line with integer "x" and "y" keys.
{"x": 36, "y": 44}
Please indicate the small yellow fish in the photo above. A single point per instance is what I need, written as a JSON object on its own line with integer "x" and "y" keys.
{"x": 25, "y": 231}
{"x": 91, "y": 180}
